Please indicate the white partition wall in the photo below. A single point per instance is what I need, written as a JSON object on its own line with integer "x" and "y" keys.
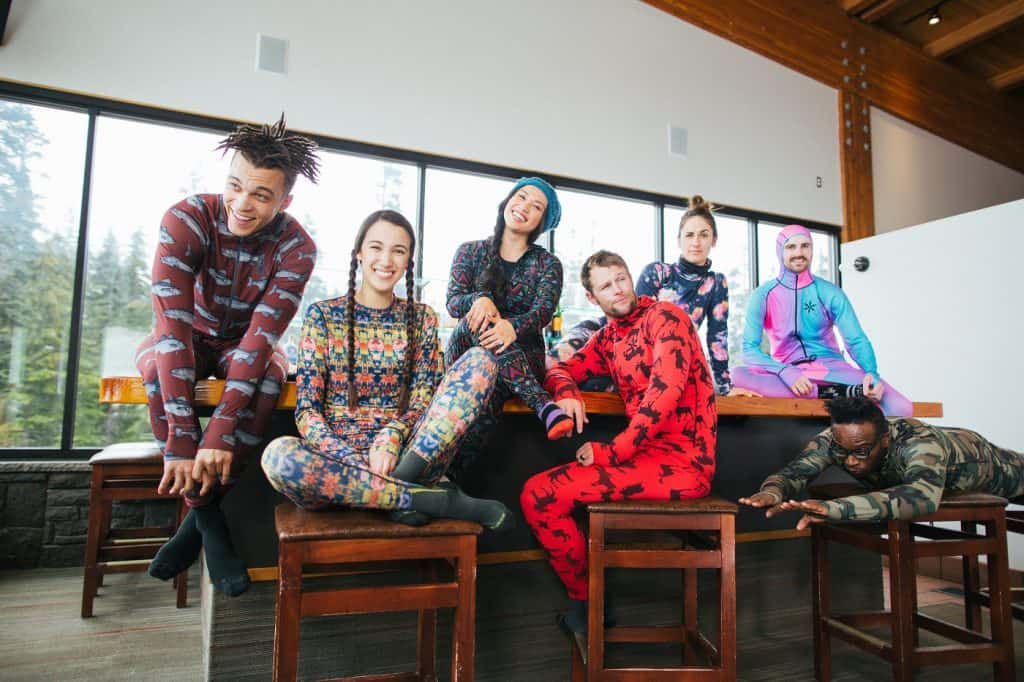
{"x": 942, "y": 304}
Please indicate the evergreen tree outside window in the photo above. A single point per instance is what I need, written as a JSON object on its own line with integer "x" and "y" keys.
{"x": 591, "y": 222}
{"x": 42, "y": 157}
{"x": 131, "y": 192}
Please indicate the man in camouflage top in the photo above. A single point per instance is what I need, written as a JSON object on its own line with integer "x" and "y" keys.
{"x": 906, "y": 465}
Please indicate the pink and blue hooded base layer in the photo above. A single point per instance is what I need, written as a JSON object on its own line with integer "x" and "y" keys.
{"x": 800, "y": 313}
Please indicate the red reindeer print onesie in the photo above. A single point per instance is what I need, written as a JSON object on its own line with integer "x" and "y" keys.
{"x": 666, "y": 452}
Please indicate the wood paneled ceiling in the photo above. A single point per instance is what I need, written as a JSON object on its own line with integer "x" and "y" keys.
{"x": 961, "y": 79}
{"x": 982, "y": 38}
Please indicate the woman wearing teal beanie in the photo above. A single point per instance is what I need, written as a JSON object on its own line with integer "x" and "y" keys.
{"x": 504, "y": 291}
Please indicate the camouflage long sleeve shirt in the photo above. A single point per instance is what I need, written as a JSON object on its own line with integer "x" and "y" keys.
{"x": 922, "y": 462}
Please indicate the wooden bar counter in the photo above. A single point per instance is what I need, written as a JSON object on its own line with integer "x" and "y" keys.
{"x": 517, "y": 593}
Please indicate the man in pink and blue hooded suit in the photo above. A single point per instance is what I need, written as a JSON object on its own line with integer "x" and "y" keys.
{"x": 800, "y": 314}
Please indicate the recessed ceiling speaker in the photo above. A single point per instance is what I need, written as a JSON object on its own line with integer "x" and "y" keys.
{"x": 677, "y": 141}
{"x": 270, "y": 54}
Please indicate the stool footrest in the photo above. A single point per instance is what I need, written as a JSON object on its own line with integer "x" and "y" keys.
{"x": 128, "y": 551}
{"x": 957, "y": 654}
{"x": 653, "y": 558}
{"x": 155, "y": 532}
{"x": 662, "y": 633}
{"x": 959, "y": 547}
{"x": 386, "y": 677}
{"x": 949, "y": 630}
{"x": 861, "y": 640}
{"x": 379, "y": 599}
{"x": 673, "y": 674}
{"x": 866, "y": 619}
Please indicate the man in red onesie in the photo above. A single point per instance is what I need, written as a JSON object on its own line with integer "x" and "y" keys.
{"x": 228, "y": 276}
{"x": 666, "y": 452}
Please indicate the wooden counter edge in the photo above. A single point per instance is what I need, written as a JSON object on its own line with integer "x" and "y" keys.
{"x": 129, "y": 390}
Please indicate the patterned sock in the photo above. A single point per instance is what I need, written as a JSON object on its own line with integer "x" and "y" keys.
{"x": 180, "y": 552}
{"x": 226, "y": 568}
{"x": 827, "y": 391}
{"x": 557, "y": 422}
{"x": 455, "y": 504}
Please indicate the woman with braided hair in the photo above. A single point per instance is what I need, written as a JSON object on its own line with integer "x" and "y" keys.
{"x": 505, "y": 290}
{"x": 377, "y": 421}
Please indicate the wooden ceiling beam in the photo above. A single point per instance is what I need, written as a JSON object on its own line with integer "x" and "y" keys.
{"x": 818, "y": 39}
{"x": 980, "y": 29}
{"x": 881, "y": 10}
{"x": 856, "y": 6}
{"x": 1007, "y": 80}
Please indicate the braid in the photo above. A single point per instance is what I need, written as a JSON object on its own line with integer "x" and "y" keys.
{"x": 411, "y": 338}
{"x": 270, "y": 146}
{"x": 350, "y": 317}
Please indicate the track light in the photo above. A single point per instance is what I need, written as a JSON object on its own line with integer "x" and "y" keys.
{"x": 931, "y": 12}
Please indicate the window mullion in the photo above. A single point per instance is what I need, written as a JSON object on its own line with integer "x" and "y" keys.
{"x": 67, "y": 433}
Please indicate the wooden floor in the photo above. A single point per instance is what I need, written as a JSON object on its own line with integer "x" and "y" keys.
{"x": 138, "y": 634}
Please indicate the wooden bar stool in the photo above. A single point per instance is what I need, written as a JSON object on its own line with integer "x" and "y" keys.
{"x": 976, "y": 596}
{"x": 713, "y": 547}
{"x": 123, "y": 472}
{"x": 368, "y": 541}
{"x": 899, "y": 541}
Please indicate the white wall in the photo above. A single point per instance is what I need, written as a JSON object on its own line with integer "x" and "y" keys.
{"x": 919, "y": 177}
{"x": 940, "y": 302}
{"x": 581, "y": 88}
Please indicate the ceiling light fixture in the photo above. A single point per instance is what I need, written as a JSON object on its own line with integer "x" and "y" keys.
{"x": 932, "y": 13}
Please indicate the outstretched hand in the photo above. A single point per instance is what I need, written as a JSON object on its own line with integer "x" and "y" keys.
{"x": 814, "y": 511}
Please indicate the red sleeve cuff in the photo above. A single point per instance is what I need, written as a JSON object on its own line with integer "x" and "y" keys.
{"x": 602, "y": 453}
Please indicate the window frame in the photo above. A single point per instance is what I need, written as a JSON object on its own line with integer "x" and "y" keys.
{"x": 95, "y": 107}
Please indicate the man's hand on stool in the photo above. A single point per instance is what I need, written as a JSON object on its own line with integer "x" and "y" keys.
{"x": 177, "y": 478}
{"x": 209, "y": 465}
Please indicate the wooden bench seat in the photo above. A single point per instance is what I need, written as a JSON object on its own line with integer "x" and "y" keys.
{"x": 129, "y": 390}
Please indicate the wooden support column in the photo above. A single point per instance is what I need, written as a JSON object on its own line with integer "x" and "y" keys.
{"x": 855, "y": 164}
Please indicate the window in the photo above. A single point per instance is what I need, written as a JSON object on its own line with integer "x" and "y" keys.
{"x": 144, "y": 160}
{"x": 591, "y": 222}
{"x": 350, "y": 188}
{"x": 42, "y": 158}
{"x": 139, "y": 170}
{"x": 731, "y": 257}
{"x": 458, "y": 207}
{"x": 132, "y": 190}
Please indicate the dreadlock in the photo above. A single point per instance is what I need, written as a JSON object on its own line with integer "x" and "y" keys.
{"x": 271, "y": 146}
{"x": 492, "y": 280}
{"x": 397, "y": 219}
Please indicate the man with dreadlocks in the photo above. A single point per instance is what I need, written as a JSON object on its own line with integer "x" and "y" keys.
{"x": 228, "y": 276}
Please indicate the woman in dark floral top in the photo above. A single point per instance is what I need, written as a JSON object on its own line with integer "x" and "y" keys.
{"x": 504, "y": 290}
